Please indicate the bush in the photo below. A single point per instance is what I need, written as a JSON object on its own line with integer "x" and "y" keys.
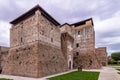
{"x": 5, "y": 79}
{"x": 116, "y": 56}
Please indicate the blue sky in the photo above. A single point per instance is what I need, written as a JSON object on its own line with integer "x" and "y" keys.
{"x": 105, "y": 14}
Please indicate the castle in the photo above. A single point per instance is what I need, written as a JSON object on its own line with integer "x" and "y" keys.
{"x": 41, "y": 46}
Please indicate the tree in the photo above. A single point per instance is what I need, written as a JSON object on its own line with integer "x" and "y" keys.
{"x": 110, "y": 60}
{"x": 116, "y": 56}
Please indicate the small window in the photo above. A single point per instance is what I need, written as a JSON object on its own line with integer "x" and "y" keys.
{"x": 16, "y": 50}
{"x": 42, "y": 32}
{"x": 21, "y": 24}
{"x": 17, "y": 57}
{"x": 78, "y": 32}
{"x": 21, "y": 40}
{"x": 77, "y": 44}
{"x": 52, "y": 28}
{"x": 51, "y": 39}
{"x": 77, "y": 53}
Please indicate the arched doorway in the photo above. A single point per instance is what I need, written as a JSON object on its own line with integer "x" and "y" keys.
{"x": 70, "y": 65}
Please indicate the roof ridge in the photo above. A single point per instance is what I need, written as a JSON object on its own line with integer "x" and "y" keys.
{"x": 31, "y": 11}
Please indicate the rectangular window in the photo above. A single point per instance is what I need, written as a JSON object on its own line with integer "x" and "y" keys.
{"x": 77, "y": 44}
{"x": 78, "y": 32}
{"x": 51, "y": 39}
{"x": 21, "y": 40}
{"x": 77, "y": 53}
{"x": 42, "y": 32}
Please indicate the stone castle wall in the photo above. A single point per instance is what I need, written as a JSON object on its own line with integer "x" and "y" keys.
{"x": 24, "y": 32}
{"x": 67, "y": 48}
{"x": 27, "y": 55}
{"x": 102, "y": 55}
{"x": 48, "y": 32}
{"x": 38, "y": 47}
{"x": 22, "y": 60}
{"x": 3, "y": 56}
{"x": 84, "y": 46}
{"x": 51, "y": 60}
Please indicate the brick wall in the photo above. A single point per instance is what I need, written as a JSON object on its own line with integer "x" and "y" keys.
{"x": 84, "y": 46}
{"x": 34, "y": 42}
{"x": 3, "y": 56}
{"x": 102, "y": 55}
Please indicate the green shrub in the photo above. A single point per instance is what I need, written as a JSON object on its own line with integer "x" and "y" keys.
{"x": 5, "y": 79}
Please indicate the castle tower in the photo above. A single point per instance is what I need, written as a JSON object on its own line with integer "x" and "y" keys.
{"x": 35, "y": 45}
{"x": 67, "y": 44}
{"x": 84, "y": 44}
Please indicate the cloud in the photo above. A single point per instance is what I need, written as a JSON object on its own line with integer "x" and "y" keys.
{"x": 68, "y": 10}
{"x": 105, "y": 14}
{"x": 9, "y": 10}
{"x": 109, "y": 24}
{"x": 4, "y": 33}
{"x": 107, "y": 32}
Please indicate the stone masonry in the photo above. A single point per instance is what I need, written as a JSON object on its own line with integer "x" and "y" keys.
{"x": 84, "y": 43}
{"x": 102, "y": 55}
{"x": 67, "y": 44}
{"x": 3, "y": 56}
{"x": 41, "y": 46}
{"x": 35, "y": 46}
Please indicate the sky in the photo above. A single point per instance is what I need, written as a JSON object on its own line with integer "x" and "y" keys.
{"x": 105, "y": 14}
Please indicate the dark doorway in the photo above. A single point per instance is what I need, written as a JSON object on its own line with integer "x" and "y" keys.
{"x": 0, "y": 71}
{"x": 70, "y": 65}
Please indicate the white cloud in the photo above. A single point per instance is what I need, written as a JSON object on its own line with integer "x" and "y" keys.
{"x": 68, "y": 11}
{"x": 26, "y": 4}
{"x": 112, "y": 40}
{"x": 107, "y": 32}
{"x": 108, "y": 25}
{"x": 4, "y": 33}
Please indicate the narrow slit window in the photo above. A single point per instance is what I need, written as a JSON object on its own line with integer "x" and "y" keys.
{"x": 78, "y": 32}
{"x": 51, "y": 39}
{"x": 21, "y": 39}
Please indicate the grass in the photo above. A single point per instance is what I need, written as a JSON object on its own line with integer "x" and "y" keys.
{"x": 118, "y": 72}
{"x": 77, "y": 75}
{"x": 5, "y": 79}
{"x": 118, "y": 69}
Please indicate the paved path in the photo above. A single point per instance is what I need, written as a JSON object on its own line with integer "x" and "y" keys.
{"x": 106, "y": 73}
{"x": 109, "y": 73}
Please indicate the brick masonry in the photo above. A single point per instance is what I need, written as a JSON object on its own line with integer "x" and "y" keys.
{"x": 40, "y": 46}
{"x": 102, "y": 55}
{"x": 84, "y": 44}
{"x": 35, "y": 48}
{"x": 3, "y": 56}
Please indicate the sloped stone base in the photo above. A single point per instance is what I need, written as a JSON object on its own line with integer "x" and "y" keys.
{"x": 22, "y": 61}
{"x": 35, "y": 60}
{"x": 88, "y": 60}
{"x": 51, "y": 60}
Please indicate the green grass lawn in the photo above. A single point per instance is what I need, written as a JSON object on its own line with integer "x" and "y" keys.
{"x": 5, "y": 79}
{"x": 77, "y": 75}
